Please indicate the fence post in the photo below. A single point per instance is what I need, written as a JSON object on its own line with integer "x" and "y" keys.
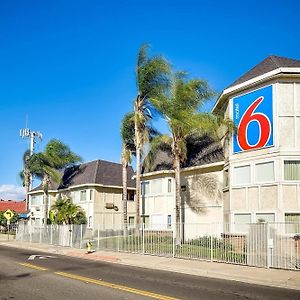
{"x": 143, "y": 238}
{"x": 51, "y": 234}
{"x": 40, "y": 235}
{"x": 269, "y": 246}
{"x": 98, "y": 237}
{"x": 173, "y": 241}
{"x": 30, "y": 234}
{"x": 81, "y": 236}
{"x": 71, "y": 235}
{"x": 211, "y": 246}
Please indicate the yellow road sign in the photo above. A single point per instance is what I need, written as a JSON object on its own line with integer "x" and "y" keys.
{"x": 8, "y": 215}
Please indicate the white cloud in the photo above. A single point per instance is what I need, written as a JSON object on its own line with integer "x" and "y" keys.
{"x": 12, "y": 192}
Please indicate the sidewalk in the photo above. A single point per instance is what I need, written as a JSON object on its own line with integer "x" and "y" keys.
{"x": 267, "y": 277}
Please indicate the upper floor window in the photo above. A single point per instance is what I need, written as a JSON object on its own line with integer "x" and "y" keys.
{"x": 264, "y": 172}
{"x": 145, "y": 187}
{"x": 83, "y": 195}
{"x": 292, "y": 170}
{"x": 130, "y": 196}
{"x": 241, "y": 175}
{"x": 36, "y": 200}
{"x": 169, "y": 185}
{"x": 91, "y": 195}
{"x": 156, "y": 186}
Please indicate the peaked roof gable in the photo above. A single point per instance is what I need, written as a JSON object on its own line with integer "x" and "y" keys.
{"x": 270, "y": 63}
{"x": 94, "y": 172}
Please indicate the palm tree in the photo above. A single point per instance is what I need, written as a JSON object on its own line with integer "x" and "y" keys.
{"x": 128, "y": 149}
{"x": 180, "y": 109}
{"x": 152, "y": 80}
{"x": 63, "y": 211}
{"x": 48, "y": 166}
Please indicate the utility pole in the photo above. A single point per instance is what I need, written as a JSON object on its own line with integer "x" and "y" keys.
{"x": 32, "y": 135}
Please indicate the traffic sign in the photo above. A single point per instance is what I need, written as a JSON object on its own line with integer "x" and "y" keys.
{"x": 8, "y": 214}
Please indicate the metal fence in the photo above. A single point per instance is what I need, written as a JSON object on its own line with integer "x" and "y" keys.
{"x": 268, "y": 245}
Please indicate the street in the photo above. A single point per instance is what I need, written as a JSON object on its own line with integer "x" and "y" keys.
{"x": 27, "y": 274}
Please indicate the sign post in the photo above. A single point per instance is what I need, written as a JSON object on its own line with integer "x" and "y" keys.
{"x": 8, "y": 215}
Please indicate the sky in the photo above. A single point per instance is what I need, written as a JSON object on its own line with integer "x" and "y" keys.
{"x": 68, "y": 66}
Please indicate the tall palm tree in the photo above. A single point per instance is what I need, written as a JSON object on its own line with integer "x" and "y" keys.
{"x": 128, "y": 149}
{"x": 48, "y": 166}
{"x": 181, "y": 112}
{"x": 152, "y": 80}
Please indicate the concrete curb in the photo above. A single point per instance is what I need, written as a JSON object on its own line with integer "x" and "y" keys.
{"x": 159, "y": 265}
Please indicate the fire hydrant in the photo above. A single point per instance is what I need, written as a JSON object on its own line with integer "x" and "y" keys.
{"x": 89, "y": 245}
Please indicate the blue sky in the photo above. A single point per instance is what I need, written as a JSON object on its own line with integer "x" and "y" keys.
{"x": 69, "y": 65}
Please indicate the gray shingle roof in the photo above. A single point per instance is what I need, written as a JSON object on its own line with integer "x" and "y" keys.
{"x": 201, "y": 150}
{"x": 270, "y": 63}
{"x": 94, "y": 172}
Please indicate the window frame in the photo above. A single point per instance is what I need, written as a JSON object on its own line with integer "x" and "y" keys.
{"x": 80, "y": 193}
{"x": 263, "y": 163}
{"x": 283, "y": 177}
{"x": 250, "y": 175}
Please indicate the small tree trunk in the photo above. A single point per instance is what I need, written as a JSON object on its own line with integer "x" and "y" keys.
{"x": 46, "y": 204}
{"x": 138, "y": 186}
{"x": 177, "y": 198}
{"x": 124, "y": 195}
{"x": 137, "y": 136}
{"x": 46, "y": 199}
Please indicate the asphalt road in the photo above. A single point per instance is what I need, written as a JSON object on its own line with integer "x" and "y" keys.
{"x": 65, "y": 278}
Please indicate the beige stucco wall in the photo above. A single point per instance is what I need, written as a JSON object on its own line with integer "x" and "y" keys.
{"x": 201, "y": 193}
{"x": 94, "y": 205}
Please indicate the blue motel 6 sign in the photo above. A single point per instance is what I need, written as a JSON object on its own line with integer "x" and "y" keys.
{"x": 253, "y": 116}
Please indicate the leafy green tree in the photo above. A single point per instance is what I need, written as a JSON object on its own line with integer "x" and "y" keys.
{"x": 152, "y": 80}
{"x": 65, "y": 212}
{"x": 48, "y": 166}
{"x": 180, "y": 108}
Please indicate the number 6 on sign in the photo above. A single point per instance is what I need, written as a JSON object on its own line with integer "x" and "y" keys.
{"x": 253, "y": 116}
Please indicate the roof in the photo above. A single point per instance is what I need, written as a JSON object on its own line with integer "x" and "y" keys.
{"x": 17, "y": 206}
{"x": 95, "y": 172}
{"x": 201, "y": 150}
{"x": 270, "y": 63}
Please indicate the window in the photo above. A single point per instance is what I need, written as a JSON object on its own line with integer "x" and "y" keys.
{"x": 265, "y": 218}
{"x": 131, "y": 222}
{"x": 292, "y": 170}
{"x": 91, "y": 195}
{"x": 36, "y": 200}
{"x": 241, "y": 222}
{"x": 241, "y": 175}
{"x": 156, "y": 186}
{"x": 145, "y": 188}
{"x": 169, "y": 222}
{"x": 264, "y": 172}
{"x": 146, "y": 221}
{"x": 83, "y": 195}
{"x": 169, "y": 185}
{"x": 130, "y": 196}
{"x": 293, "y": 222}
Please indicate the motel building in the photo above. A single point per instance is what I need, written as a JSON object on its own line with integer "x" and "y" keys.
{"x": 258, "y": 178}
